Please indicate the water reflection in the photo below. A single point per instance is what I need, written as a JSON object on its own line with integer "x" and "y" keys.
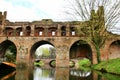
{"x": 38, "y": 73}
{"x": 10, "y": 76}
{"x": 80, "y": 75}
{"x": 43, "y": 74}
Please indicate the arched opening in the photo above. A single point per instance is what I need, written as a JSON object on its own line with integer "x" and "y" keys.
{"x": 63, "y": 31}
{"x": 72, "y": 31}
{"x": 114, "y": 50}
{"x": 9, "y": 31}
{"x": 80, "y": 49}
{"x": 52, "y": 63}
{"x": 52, "y": 31}
{"x": 19, "y": 31}
{"x": 28, "y": 30}
{"x": 39, "y": 31}
{"x": 43, "y": 50}
{"x": 8, "y": 51}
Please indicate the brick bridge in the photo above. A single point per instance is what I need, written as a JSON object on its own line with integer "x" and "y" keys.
{"x": 28, "y": 36}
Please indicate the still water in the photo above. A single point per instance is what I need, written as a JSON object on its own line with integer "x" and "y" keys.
{"x": 37, "y": 73}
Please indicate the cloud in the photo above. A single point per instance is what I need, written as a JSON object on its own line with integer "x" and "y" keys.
{"x": 29, "y": 10}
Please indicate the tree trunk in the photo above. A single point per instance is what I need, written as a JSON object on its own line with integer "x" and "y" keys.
{"x": 98, "y": 53}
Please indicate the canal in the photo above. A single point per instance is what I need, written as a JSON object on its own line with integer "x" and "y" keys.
{"x": 38, "y": 73}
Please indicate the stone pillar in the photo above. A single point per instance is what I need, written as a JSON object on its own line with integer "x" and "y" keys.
{"x": 22, "y": 54}
{"x": 2, "y": 25}
{"x": 24, "y": 29}
{"x": 2, "y": 30}
{"x": 46, "y": 31}
{"x": 62, "y": 74}
{"x": 62, "y": 56}
{"x": 32, "y": 30}
{"x": 67, "y": 30}
{"x": 4, "y": 18}
{"x": 59, "y": 30}
{"x": 24, "y": 73}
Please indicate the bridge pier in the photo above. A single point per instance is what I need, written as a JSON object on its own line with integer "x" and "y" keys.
{"x": 62, "y": 56}
{"x": 62, "y": 73}
{"x": 22, "y": 56}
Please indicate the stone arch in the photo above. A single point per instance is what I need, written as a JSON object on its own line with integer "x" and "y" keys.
{"x": 9, "y": 31}
{"x": 114, "y": 49}
{"x": 19, "y": 31}
{"x": 63, "y": 31}
{"x": 50, "y": 63}
{"x": 7, "y": 44}
{"x": 39, "y": 31}
{"x": 52, "y": 31}
{"x": 72, "y": 31}
{"x": 36, "y": 45}
{"x": 28, "y": 30}
{"x": 80, "y": 49}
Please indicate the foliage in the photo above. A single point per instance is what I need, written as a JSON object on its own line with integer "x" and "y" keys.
{"x": 45, "y": 51}
{"x": 108, "y": 76}
{"x": 99, "y": 16}
{"x": 38, "y": 63}
{"x": 71, "y": 64}
{"x": 84, "y": 63}
{"x": 11, "y": 54}
{"x": 110, "y": 66}
{"x": 10, "y": 57}
{"x": 53, "y": 63}
{"x": 12, "y": 48}
{"x": 111, "y": 77}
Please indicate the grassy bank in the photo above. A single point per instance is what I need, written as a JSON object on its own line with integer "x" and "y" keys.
{"x": 110, "y": 66}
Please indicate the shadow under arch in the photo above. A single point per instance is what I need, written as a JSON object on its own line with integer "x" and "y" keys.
{"x": 8, "y": 45}
{"x": 114, "y": 49}
{"x": 52, "y": 63}
{"x": 36, "y": 45}
{"x": 80, "y": 49}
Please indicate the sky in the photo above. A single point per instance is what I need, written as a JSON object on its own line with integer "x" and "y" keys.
{"x": 36, "y": 10}
{"x": 30, "y": 10}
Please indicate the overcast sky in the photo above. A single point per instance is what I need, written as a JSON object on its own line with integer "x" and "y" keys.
{"x": 30, "y": 10}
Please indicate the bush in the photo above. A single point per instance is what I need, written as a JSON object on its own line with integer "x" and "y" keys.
{"x": 38, "y": 63}
{"x": 84, "y": 62}
{"x": 110, "y": 66}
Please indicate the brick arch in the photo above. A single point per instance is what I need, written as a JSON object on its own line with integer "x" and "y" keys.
{"x": 5, "y": 45}
{"x": 82, "y": 49}
{"x": 35, "y": 45}
{"x": 94, "y": 57}
{"x": 19, "y": 31}
{"x": 9, "y": 31}
{"x": 114, "y": 49}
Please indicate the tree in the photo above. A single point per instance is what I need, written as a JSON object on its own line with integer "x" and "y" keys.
{"x": 98, "y": 16}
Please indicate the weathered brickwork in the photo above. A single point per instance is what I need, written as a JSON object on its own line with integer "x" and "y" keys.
{"x": 62, "y": 35}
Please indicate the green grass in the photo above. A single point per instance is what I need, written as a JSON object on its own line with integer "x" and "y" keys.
{"x": 110, "y": 66}
{"x": 40, "y": 63}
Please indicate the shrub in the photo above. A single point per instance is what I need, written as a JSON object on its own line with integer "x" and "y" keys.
{"x": 40, "y": 63}
{"x": 84, "y": 62}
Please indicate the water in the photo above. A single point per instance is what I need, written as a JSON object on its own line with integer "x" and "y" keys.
{"x": 37, "y": 73}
